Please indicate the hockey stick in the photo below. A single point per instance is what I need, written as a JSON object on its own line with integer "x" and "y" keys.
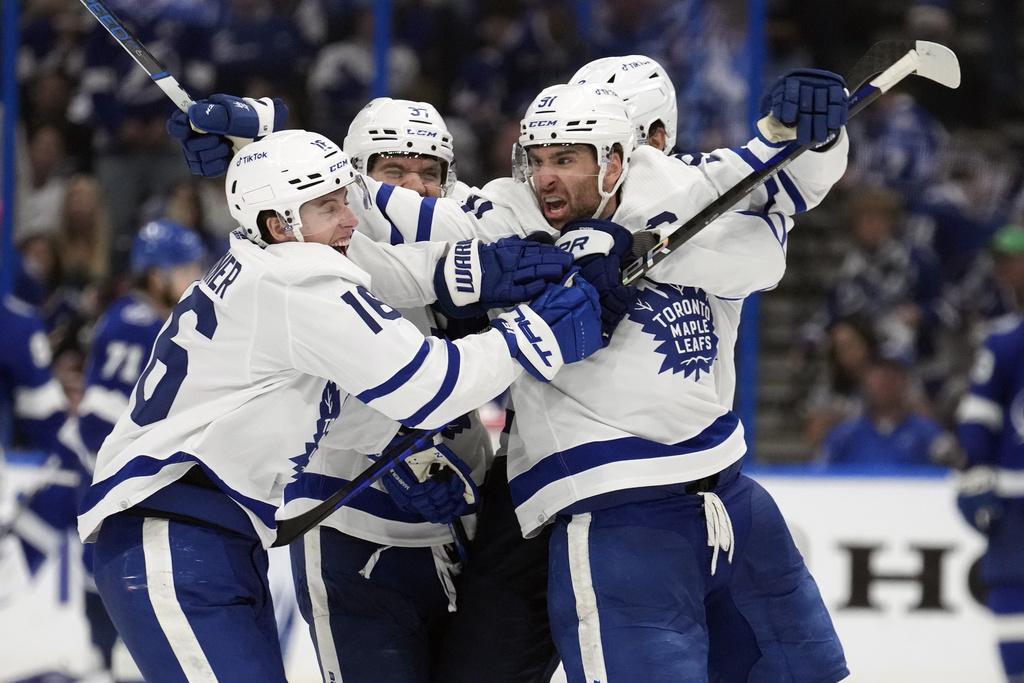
{"x": 290, "y": 529}
{"x": 152, "y": 66}
{"x": 884, "y": 65}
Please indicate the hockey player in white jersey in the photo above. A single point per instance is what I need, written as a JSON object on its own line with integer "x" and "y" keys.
{"x": 377, "y": 582}
{"x": 503, "y": 615}
{"x": 577, "y": 457}
{"x": 255, "y": 364}
{"x": 638, "y": 489}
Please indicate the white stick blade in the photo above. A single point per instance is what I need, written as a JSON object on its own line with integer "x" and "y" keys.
{"x": 938, "y": 63}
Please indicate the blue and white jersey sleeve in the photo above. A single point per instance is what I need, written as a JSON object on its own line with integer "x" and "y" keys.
{"x": 799, "y": 187}
{"x": 991, "y": 416}
{"x": 404, "y": 216}
{"x": 121, "y": 345}
{"x": 419, "y": 381}
{"x": 741, "y": 252}
{"x": 256, "y": 364}
{"x": 32, "y": 402}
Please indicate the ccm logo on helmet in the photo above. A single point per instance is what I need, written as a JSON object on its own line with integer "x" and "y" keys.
{"x": 341, "y": 164}
{"x": 541, "y": 124}
{"x": 420, "y": 132}
{"x": 250, "y": 157}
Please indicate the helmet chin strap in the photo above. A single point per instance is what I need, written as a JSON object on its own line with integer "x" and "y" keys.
{"x": 605, "y": 196}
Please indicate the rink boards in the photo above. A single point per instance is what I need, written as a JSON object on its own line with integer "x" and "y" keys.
{"x": 889, "y": 551}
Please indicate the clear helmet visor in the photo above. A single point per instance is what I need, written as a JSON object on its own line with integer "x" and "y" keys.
{"x": 332, "y": 216}
{"x": 558, "y": 159}
{"x": 429, "y": 175}
{"x": 570, "y": 165}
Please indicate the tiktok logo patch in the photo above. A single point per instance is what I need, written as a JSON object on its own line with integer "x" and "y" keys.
{"x": 681, "y": 319}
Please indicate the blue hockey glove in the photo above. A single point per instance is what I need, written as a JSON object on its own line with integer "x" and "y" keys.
{"x": 812, "y": 100}
{"x": 977, "y": 498}
{"x": 475, "y": 277}
{"x": 208, "y": 150}
{"x": 239, "y": 117}
{"x": 434, "y": 483}
{"x": 206, "y": 155}
{"x": 563, "y": 325}
{"x": 598, "y": 247}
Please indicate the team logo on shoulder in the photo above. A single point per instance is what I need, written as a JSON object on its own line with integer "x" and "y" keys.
{"x": 330, "y": 408}
{"x": 681, "y": 319}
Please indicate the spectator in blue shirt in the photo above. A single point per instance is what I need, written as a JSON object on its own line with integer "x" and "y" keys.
{"x": 893, "y": 430}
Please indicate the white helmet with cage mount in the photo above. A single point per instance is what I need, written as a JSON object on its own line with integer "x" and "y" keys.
{"x": 401, "y": 127}
{"x": 572, "y": 114}
{"x": 645, "y": 87}
{"x": 282, "y": 172}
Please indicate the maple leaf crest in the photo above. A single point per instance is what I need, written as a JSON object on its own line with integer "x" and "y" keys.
{"x": 680, "y": 318}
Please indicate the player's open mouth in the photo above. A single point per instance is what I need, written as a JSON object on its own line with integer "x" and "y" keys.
{"x": 554, "y": 207}
{"x": 341, "y": 246}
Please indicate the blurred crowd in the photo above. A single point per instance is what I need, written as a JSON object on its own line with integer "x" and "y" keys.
{"x": 931, "y": 205}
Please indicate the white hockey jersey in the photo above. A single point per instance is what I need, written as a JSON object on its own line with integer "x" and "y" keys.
{"x": 660, "y": 193}
{"x": 260, "y": 359}
{"x": 654, "y": 407}
{"x": 373, "y": 515}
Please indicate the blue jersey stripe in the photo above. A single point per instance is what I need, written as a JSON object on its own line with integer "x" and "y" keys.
{"x": 399, "y": 378}
{"x": 383, "y": 197}
{"x": 789, "y": 186}
{"x": 144, "y": 466}
{"x": 595, "y": 454}
{"x": 768, "y": 218}
{"x": 451, "y": 377}
{"x": 426, "y": 219}
{"x": 772, "y": 188}
{"x": 750, "y": 158}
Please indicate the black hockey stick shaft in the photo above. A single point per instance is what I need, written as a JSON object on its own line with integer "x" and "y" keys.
{"x": 150, "y": 64}
{"x": 292, "y": 528}
{"x": 885, "y": 64}
{"x": 138, "y": 51}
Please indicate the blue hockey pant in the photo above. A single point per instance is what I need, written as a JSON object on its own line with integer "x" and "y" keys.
{"x": 500, "y": 633}
{"x": 376, "y": 613}
{"x": 190, "y": 602}
{"x": 632, "y": 598}
{"x": 1002, "y": 569}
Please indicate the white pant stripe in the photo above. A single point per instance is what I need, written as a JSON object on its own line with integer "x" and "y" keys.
{"x": 330, "y": 667}
{"x": 156, "y": 547}
{"x": 591, "y": 649}
{"x": 1009, "y": 628}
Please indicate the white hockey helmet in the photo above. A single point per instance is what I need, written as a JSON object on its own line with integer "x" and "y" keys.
{"x": 573, "y": 114}
{"x": 387, "y": 126}
{"x": 645, "y": 87}
{"x": 282, "y": 172}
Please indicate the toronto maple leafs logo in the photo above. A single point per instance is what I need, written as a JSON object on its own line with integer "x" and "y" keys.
{"x": 330, "y": 408}
{"x": 681, "y": 319}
